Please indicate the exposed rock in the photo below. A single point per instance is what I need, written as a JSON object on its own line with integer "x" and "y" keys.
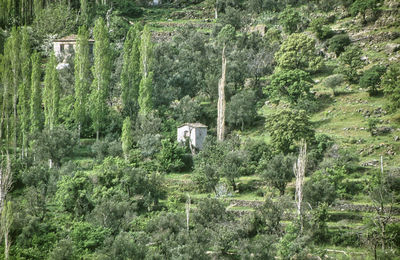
{"x": 392, "y": 47}
{"x": 391, "y": 152}
{"x": 382, "y": 130}
{"x": 371, "y": 163}
{"x": 260, "y": 28}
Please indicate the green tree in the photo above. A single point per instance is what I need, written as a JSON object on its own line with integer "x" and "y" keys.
{"x": 130, "y": 74}
{"x": 127, "y": 137}
{"x": 350, "y": 62}
{"x": 287, "y": 126}
{"x": 241, "y": 110}
{"x": 278, "y": 171}
{"x": 84, "y": 12}
{"x": 51, "y": 94}
{"x": 24, "y": 89}
{"x": 82, "y": 77}
{"x": 321, "y": 30}
{"x": 391, "y": 86}
{"x": 371, "y": 79}
{"x": 12, "y": 54}
{"x": 36, "y": 113}
{"x": 54, "y": 144}
{"x": 290, "y": 19}
{"x": 233, "y": 165}
{"x": 170, "y": 157}
{"x": 298, "y": 52}
{"x": 338, "y": 43}
{"x": 361, "y": 7}
{"x": 292, "y": 85}
{"x": 146, "y": 83}
{"x": 101, "y": 76}
{"x": 206, "y": 164}
{"x": 320, "y": 189}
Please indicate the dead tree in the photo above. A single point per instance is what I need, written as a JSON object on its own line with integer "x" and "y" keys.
{"x": 383, "y": 201}
{"x": 187, "y": 213}
{"x": 6, "y": 222}
{"x": 5, "y": 209}
{"x": 5, "y": 180}
{"x": 299, "y": 169}
{"x": 221, "y": 100}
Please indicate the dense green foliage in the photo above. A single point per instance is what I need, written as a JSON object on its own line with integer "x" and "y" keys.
{"x": 138, "y": 72}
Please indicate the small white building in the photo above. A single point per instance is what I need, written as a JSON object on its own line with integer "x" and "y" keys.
{"x": 195, "y": 133}
{"x": 67, "y": 45}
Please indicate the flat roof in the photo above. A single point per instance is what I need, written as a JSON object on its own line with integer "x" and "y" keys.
{"x": 70, "y": 38}
{"x": 196, "y": 125}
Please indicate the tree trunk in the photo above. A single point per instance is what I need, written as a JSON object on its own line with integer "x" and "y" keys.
{"x": 299, "y": 168}
{"x": 221, "y": 100}
{"x": 187, "y": 213}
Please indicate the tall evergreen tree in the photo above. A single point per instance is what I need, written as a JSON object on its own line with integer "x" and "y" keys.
{"x": 82, "y": 77}
{"x": 146, "y": 60}
{"x": 24, "y": 89}
{"x": 36, "y": 114}
{"x": 130, "y": 75}
{"x": 51, "y": 93}
{"x": 101, "y": 76}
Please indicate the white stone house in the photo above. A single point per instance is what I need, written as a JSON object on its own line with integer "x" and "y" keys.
{"x": 66, "y": 46}
{"x": 194, "y": 133}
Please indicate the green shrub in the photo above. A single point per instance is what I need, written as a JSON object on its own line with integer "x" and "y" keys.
{"x": 333, "y": 82}
{"x": 350, "y": 62}
{"x": 338, "y": 43}
{"x": 319, "y": 189}
{"x": 241, "y": 110}
{"x": 321, "y": 30}
{"x": 391, "y": 86}
{"x": 290, "y": 19}
{"x": 371, "y": 79}
{"x": 170, "y": 156}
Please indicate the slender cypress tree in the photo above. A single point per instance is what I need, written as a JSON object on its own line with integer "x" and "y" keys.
{"x": 130, "y": 74}
{"x": 82, "y": 77}
{"x": 36, "y": 114}
{"x": 101, "y": 76}
{"x": 51, "y": 93}
{"x": 24, "y": 89}
{"x": 145, "y": 87}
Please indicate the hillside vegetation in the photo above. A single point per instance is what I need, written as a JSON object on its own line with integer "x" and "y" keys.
{"x": 302, "y": 104}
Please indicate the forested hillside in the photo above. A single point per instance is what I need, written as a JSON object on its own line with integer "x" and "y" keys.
{"x": 301, "y": 100}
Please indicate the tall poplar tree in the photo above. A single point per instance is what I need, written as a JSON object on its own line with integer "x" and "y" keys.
{"x": 82, "y": 77}
{"x": 130, "y": 74}
{"x": 6, "y": 106}
{"x": 146, "y": 59}
{"x": 84, "y": 12}
{"x": 12, "y": 49}
{"x": 51, "y": 93}
{"x": 36, "y": 114}
{"x": 24, "y": 89}
{"x": 101, "y": 76}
